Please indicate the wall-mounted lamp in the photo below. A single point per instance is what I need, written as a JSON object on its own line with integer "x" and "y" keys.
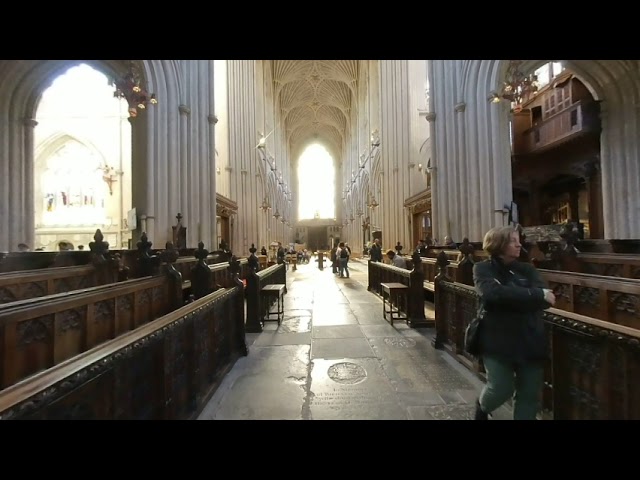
{"x": 218, "y": 170}
{"x": 419, "y": 167}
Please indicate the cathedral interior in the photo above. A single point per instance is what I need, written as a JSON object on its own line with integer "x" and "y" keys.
{"x": 156, "y": 214}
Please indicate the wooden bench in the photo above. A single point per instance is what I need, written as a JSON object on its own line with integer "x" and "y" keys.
{"x": 269, "y": 293}
{"x": 400, "y": 292}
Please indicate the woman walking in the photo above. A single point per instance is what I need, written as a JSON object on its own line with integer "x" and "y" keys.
{"x": 512, "y": 336}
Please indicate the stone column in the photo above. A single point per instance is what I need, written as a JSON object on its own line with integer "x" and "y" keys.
{"x": 183, "y": 174}
{"x": 620, "y": 168}
{"x": 395, "y": 114}
{"x": 242, "y": 152}
{"x": 27, "y": 225}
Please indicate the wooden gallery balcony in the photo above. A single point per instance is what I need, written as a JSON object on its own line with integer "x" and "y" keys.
{"x": 578, "y": 119}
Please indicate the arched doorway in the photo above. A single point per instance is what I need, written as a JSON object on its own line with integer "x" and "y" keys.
{"x": 82, "y": 162}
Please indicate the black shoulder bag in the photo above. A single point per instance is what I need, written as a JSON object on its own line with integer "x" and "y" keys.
{"x": 472, "y": 336}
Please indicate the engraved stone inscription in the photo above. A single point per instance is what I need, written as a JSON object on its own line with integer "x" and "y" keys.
{"x": 400, "y": 342}
{"x": 349, "y": 398}
{"x": 347, "y": 373}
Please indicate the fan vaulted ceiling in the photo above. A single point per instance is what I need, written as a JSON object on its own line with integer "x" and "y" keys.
{"x": 316, "y": 98}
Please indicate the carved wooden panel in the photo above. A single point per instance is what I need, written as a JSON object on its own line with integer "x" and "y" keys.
{"x": 177, "y": 370}
{"x": 586, "y": 301}
{"x": 619, "y": 383}
{"x": 90, "y": 401}
{"x": 70, "y": 333}
{"x": 450, "y": 305}
{"x": 577, "y": 370}
{"x": 143, "y": 312}
{"x": 124, "y": 314}
{"x": 145, "y": 380}
{"x": 29, "y": 348}
{"x": 102, "y": 327}
{"x": 625, "y": 309}
{"x": 8, "y": 294}
{"x": 203, "y": 371}
{"x": 159, "y": 296}
{"x": 22, "y": 291}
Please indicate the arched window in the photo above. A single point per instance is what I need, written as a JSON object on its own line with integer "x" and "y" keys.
{"x": 73, "y": 188}
{"x": 317, "y": 184}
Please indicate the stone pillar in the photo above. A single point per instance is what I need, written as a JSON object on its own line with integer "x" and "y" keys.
{"x": 396, "y": 147}
{"x": 620, "y": 168}
{"x": 27, "y": 226}
{"x": 242, "y": 152}
{"x": 470, "y": 149}
{"x": 183, "y": 174}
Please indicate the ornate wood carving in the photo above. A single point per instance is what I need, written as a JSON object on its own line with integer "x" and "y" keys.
{"x": 125, "y": 302}
{"x": 7, "y": 294}
{"x": 33, "y": 290}
{"x": 36, "y": 330}
{"x": 144, "y": 297}
{"x": 588, "y": 296}
{"x": 612, "y": 270}
{"x": 104, "y": 310}
{"x": 602, "y": 333}
{"x": 626, "y": 302}
{"x": 70, "y": 320}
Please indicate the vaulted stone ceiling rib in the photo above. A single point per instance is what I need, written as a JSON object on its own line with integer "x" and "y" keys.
{"x": 315, "y": 98}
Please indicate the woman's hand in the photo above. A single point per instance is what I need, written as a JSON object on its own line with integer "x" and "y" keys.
{"x": 549, "y": 296}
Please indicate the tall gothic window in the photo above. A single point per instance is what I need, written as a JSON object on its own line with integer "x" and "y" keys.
{"x": 73, "y": 190}
{"x": 317, "y": 184}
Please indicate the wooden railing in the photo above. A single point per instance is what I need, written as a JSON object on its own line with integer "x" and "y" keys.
{"x": 414, "y": 279}
{"x": 167, "y": 369}
{"x": 612, "y": 299}
{"x": 28, "y": 284}
{"x": 255, "y": 282}
{"x": 576, "y": 119}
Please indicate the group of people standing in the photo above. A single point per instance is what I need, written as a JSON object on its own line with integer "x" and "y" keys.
{"x": 340, "y": 259}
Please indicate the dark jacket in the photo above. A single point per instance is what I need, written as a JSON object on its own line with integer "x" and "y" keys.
{"x": 511, "y": 305}
{"x": 375, "y": 253}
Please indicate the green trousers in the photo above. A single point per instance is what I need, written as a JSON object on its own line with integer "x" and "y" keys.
{"x": 506, "y": 380}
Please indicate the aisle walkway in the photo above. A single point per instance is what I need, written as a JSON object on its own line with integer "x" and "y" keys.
{"x": 335, "y": 357}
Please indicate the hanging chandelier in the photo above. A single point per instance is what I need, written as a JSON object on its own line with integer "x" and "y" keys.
{"x": 129, "y": 87}
{"x": 517, "y": 87}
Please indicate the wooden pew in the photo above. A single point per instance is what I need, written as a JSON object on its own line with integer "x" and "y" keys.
{"x": 42, "y": 332}
{"x": 167, "y": 369}
{"x": 380, "y": 273}
{"x": 255, "y": 282}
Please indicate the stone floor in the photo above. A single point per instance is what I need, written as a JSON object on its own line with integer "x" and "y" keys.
{"x": 335, "y": 357}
